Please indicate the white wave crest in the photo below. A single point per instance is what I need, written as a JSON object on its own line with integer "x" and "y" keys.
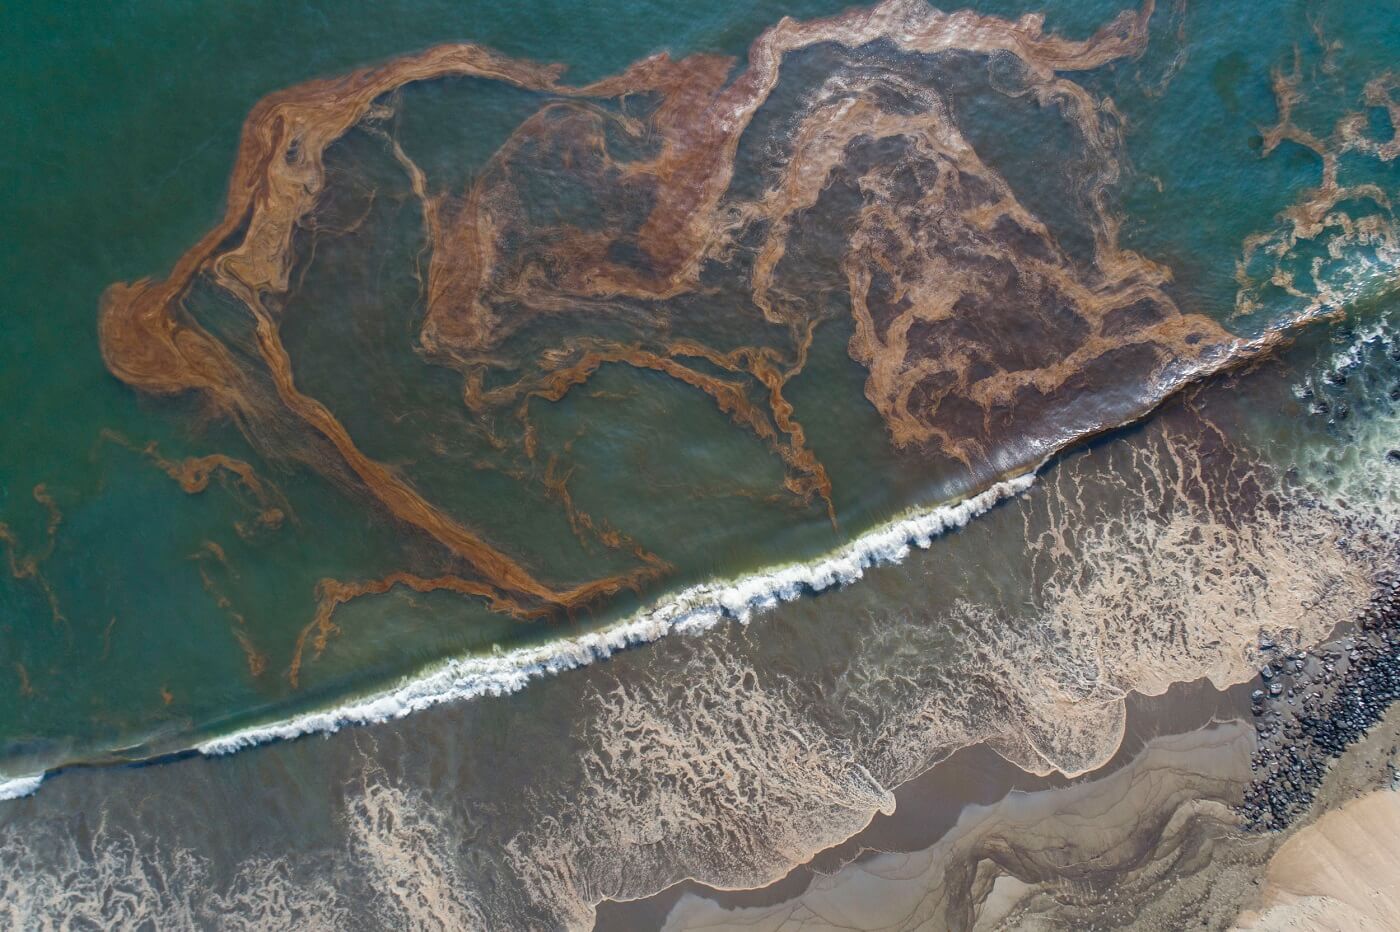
{"x": 15, "y": 787}
{"x": 690, "y": 611}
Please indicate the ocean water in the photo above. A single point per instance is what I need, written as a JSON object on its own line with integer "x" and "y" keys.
{"x": 136, "y": 618}
{"x": 889, "y": 379}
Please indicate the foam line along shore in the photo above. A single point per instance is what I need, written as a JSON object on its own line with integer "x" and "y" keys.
{"x": 691, "y": 611}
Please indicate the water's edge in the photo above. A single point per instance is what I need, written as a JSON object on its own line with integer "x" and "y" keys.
{"x": 690, "y": 611}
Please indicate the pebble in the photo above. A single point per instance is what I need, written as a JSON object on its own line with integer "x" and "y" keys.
{"x": 1296, "y": 746}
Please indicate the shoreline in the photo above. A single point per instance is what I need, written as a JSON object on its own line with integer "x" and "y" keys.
{"x": 701, "y": 607}
{"x": 690, "y": 611}
{"x": 931, "y": 805}
{"x": 693, "y": 610}
{"x": 923, "y": 815}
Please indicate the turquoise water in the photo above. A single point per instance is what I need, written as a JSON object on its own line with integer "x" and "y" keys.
{"x": 131, "y": 635}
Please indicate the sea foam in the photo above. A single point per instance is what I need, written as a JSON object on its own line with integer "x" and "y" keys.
{"x": 15, "y": 787}
{"x": 689, "y": 611}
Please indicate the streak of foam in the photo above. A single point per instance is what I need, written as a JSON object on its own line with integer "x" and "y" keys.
{"x": 1117, "y": 840}
{"x": 704, "y": 758}
{"x": 1150, "y": 570}
{"x": 1139, "y": 603}
{"x": 722, "y": 768}
{"x": 395, "y": 871}
{"x": 691, "y": 611}
{"x": 411, "y": 873}
{"x": 51, "y": 880}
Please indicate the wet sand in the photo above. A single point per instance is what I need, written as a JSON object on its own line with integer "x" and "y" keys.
{"x": 1150, "y": 841}
{"x": 1088, "y": 854}
{"x": 929, "y": 806}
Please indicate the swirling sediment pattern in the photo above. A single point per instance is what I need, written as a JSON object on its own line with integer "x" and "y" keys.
{"x": 987, "y": 339}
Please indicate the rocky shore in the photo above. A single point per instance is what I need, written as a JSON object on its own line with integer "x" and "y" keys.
{"x": 1312, "y": 705}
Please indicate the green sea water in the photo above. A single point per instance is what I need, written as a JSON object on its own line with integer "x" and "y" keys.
{"x": 123, "y": 122}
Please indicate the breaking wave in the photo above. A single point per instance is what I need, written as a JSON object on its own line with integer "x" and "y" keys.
{"x": 690, "y": 611}
{"x": 16, "y": 787}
